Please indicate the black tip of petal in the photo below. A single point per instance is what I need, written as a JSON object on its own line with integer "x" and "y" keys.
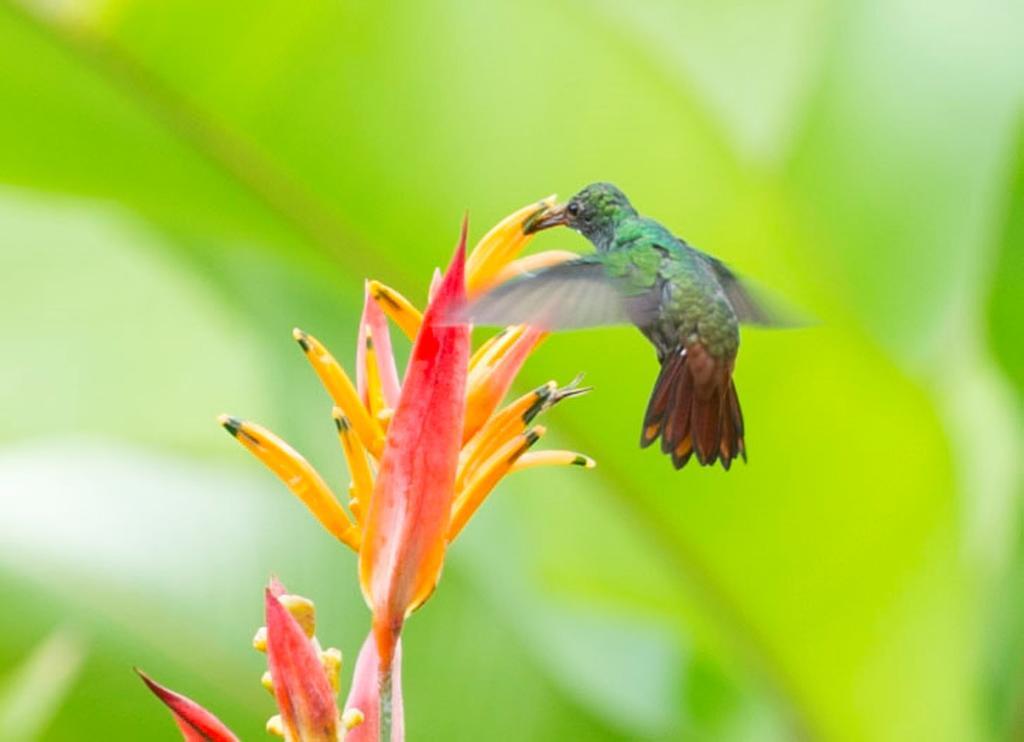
{"x": 381, "y": 295}
{"x": 543, "y": 394}
{"x": 232, "y": 425}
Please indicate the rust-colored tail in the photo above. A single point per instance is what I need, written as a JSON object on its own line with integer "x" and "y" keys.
{"x": 695, "y": 410}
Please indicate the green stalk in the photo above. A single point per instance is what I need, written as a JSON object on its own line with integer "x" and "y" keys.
{"x": 384, "y": 688}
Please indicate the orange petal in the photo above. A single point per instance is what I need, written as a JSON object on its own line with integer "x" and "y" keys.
{"x": 531, "y": 263}
{"x": 301, "y": 686}
{"x": 474, "y": 494}
{"x": 534, "y": 459}
{"x": 407, "y": 519}
{"x": 398, "y": 308}
{"x": 505, "y": 240}
{"x": 485, "y": 350}
{"x": 374, "y": 393}
{"x": 196, "y": 723}
{"x": 490, "y": 381}
{"x": 342, "y": 391}
{"x": 298, "y": 475}
{"x": 510, "y": 421}
{"x": 495, "y": 347}
{"x": 358, "y": 467}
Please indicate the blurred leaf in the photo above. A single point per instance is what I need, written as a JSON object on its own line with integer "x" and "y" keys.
{"x": 1005, "y": 648}
{"x": 111, "y": 336}
{"x": 463, "y": 646}
{"x": 32, "y": 695}
{"x": 112, "y": 129}
{"x": 624, "y": 670}
{"x": 754, "y": 64}
{"x": 1006, "y": 303}
{"x": 97, "y": 519}
{"x": 584, "y": 549}
{"x": 164, "y": 555}
{"x": 1005, "y": 674}
{"x": 900, "y": 160}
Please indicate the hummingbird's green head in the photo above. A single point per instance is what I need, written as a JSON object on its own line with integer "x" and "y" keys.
{"x": 594, "y": 212}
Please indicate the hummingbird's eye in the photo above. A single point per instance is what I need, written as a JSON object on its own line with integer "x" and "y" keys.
{"x": 573, "y": 208}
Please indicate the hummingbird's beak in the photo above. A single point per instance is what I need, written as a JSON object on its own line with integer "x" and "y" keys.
{"x": 553, "y": 217}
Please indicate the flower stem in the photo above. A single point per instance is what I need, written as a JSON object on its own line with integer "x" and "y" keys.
{"x": 385, "y": 706}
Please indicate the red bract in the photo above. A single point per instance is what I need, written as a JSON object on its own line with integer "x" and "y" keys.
{"x": 375, "y": 336}
{"x": 404, "y": 538}
{"x": 304, "y": 695}
{"x": 196, "y": 723}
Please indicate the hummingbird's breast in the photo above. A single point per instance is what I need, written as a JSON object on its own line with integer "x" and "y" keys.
{"x": 694, "y": 307}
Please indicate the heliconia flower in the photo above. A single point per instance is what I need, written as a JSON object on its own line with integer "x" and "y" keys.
{"x": 303, "y": 678}
{"x": 423, "y": 453}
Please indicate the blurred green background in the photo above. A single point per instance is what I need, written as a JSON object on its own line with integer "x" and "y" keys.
{"x": 184, "y": 181}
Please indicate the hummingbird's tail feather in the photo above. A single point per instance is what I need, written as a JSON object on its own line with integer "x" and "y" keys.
{"x": 694, "y": 410}
{"x": 732, "y": 442}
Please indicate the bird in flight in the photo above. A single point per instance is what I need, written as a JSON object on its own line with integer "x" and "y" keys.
{"x": 688, "y": 304}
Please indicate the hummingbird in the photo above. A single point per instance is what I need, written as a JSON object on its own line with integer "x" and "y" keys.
{"x": 688, "y": 304}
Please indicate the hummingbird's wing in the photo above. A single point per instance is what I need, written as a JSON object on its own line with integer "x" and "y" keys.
{"x": 575, "y": 294}
{"x": 748, "y": 303}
